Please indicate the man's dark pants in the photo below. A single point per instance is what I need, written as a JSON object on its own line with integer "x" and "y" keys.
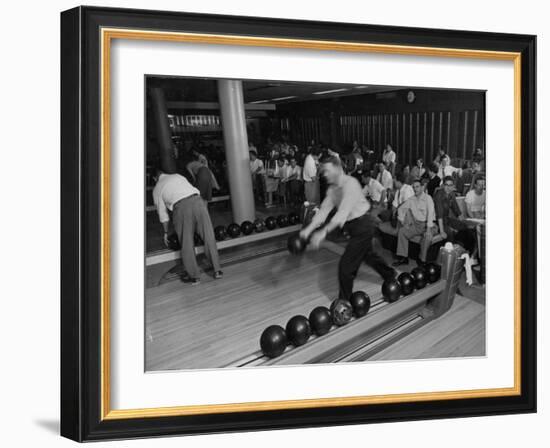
{"x": 190, "y": 215}
{"x": 359, "y": 250}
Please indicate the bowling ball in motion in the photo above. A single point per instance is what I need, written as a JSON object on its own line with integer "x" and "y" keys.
{"x": 247, "y": 228}
{"x": 259, "y": 225}
{"x": 391, "y": 290}
{"x": 220, "y": 233}
{"x": 270, "y": 223}
{"x": 360, "y": 302}
{"x": 282, "y": 220}
{"x": 341, "y": 312}
{"x": 298, "y": 330}
{"x": 406, "y": 281}
{"x": 296, "y": 245}
{"x": 173, "y": 242}
{"x": 420, "y": 278}
{"x": 273, "y": 341}
{"x": 233, "y": 230}
{"x": 320, "y": 320}
{"x": 433, "y": 272}
{"x": 293, "y": 219}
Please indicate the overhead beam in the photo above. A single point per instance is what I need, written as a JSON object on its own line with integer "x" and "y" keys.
{"x": 214, "y": 106}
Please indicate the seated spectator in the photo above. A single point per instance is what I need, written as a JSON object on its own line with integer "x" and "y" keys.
{"x": 475, "y": 200}
{"x": 440, "y": 154}
{"x": 368, "y": 158}
{"x": 418, "y": 170}
{"x": 384, "y": 177}
{"x": 373, "y": 189}
{"x": 463, "y": 178}
{"x": 446, "y": 169}
{"x": 447, "y": 211}
{"x": 403, "y": 191}
{"x": 416, "y": 216}
{"x": 433, "y": 180}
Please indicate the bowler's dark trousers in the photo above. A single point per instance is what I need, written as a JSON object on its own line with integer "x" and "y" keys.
{"x": 358, "y": 250}
{"x": 190, "y": 215}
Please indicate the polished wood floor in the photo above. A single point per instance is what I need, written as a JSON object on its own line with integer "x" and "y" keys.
{"x": 458, "y": 333}
{"x": 220, "y": 321}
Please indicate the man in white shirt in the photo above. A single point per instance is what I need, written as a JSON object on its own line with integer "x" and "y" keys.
{"x": 373, "y": 189}
{"x": 475, "y": 200}
{"x": 174, "y": 193}
{"x": 344, "y": 194}
{"x": 417, "y": 216}
{"x": 311, "y": 179}
{"x": 446, "y": 169}
{"x": 403, "y": 191}
{"x": 384, "y": 177}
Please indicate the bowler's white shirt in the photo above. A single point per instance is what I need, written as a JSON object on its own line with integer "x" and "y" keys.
{"x": 171, "y": 188}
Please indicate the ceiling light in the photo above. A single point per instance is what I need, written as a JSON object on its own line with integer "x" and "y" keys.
{"x": 283, "y": 98}
{"x": 329, "y": 91}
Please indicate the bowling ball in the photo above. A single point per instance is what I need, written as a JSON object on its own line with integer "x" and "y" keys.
{"x": 298, "y": 330}
{"x": 259, "y": 225}
{"x": 433, "y": 272}
{"x": 247, "y": 228}
{"x": 420, "y": 278}
{"x": 282, "y": 220}
{"x": 296, "y": 245}
{"x": 320, "y": 320}
{"x": 233, "y": 230}
{"x": 220, "y": 233}
{"x": 391, "y": 290}
{"x": 406, "y": 281}
{"x": 270, "y": 223}
{"x": 360, "y": 302}
{"x": 273, "y": 341}
{"x": 293, "y": 219}
{"x": 173, "y": 242}
{"x": 341, "y": 312}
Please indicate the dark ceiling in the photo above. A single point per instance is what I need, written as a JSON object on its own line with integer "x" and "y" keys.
{"x": 274, "y": 92}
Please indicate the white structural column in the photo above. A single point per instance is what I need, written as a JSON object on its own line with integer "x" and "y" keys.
{"x": 230, "y": 93}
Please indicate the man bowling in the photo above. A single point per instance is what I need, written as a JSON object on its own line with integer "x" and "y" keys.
{"x": 189, "y": 213}
{"x": 345, "y": 195}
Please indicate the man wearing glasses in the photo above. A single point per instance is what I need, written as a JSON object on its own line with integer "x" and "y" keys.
{"x": 447, "y": 211}
{"x": 416, "y": 216}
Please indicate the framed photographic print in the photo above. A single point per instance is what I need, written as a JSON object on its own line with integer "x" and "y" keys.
{"x": 275, "y": 224}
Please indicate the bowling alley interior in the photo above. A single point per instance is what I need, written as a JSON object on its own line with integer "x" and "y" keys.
{"x": 249, "y": 157}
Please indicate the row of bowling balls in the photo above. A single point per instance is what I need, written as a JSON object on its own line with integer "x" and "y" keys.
{"x": 406, "y": 283}
{"x": 299, "y": 329}
{"x": 234, "y": 230}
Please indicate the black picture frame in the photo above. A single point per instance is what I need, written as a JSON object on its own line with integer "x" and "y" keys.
{"x": 81, "y": 224}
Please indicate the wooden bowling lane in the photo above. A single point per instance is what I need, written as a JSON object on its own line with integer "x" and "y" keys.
{"x": 458, "y": 333}
{"x": 219, "y": 321}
